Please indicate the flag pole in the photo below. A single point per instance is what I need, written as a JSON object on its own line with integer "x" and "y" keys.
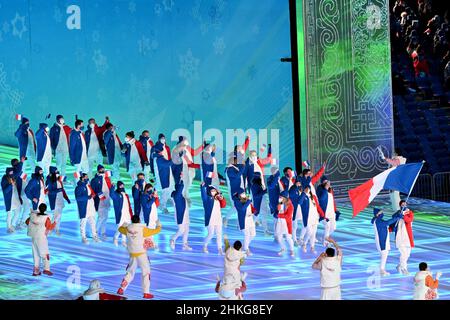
{"x": 412, "y": 187}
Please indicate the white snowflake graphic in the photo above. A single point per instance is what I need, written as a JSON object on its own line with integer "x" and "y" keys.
{"x": 23, "y": 28}
{"x": 101, "y": 62}
{"x": 57, "y": 14}
{"x": 158, "y": 9}
{"x": 168, "y": 5}
{"x": 219, "y": 45}
{"x": 132, "y": 6}
{"x": 95, "y": 36}
{"x": 188, "y": 66}
{"x": 208, "y": 13}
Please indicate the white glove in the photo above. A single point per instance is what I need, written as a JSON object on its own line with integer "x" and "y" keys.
{"x": 438, "y": 275}
{"x": 381, "y": 153}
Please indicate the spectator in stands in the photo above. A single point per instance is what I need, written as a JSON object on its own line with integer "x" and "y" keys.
{"x": 447, "y": 76}
{"x": 421, "y": 68}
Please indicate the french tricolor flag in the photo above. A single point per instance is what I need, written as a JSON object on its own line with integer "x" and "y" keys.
{"x": 274, "y": 161}
{"x": 401, "y": 178}
{"x": 18, "y": 117}
{"x": 108, "y": 173}
{"x": 306, "y": 164}
{"x": 76, "y": 175}
{"x": 210, "y": 174}
{"x": 23, "y": 176}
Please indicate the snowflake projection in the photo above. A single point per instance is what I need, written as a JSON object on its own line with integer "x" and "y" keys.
{"x": 5, "y": 27}
{"x": 286, "y": 93}
{"x": 138, "y": 95}
{"x": 57, "y": 14}
{"x": 188, "y": 117}
{"x": 206, "y": 95}
{"x": 255, "y": 29}
{"x": 101, "y": 62}
{"x": 168, "y": 5}
{"x": 188, "y": 66}
{"x": 158, "y": 9}
{"x": 251, "y": 72}
{"x": 219, "y": 45}
{"x": 132, "y": 6}
{"x": 208, "y": 13}
{"x": 11, "y": 100}
{"x": 15, "y": 76}
{"x": 18, "y": 21}
{"x": 95, "y": 36}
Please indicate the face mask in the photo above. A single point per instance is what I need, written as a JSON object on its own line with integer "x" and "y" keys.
{"x": 61, "y": 121}
{"x": 92, "y": 125}
{"x": 101, "y": 172}
{"x": 253, "y": 158}
{"x": 47, "y": 129}
{"x": 127, "y": 139}
{"x": 57, "y": 175}
{"x": 41, "y": 173}
{"x": 186, "y": 143}
{"x": 163, "y": 141}
{"x": 82, "y": 128}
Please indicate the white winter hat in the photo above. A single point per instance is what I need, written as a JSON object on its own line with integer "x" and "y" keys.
{"x": 94, "y": 287}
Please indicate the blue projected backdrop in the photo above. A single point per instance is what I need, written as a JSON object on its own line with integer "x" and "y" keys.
{"x": 157, "y": 65}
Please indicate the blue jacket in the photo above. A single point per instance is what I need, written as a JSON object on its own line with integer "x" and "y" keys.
{"x": 118, "y": 199}
{"x": 17, "y": 173}
{"x": 143, "y": 140}
{"x": 75, "y": 147}
{"x": 147, "y": 201}
{"x": 382, "y": 229}
{"x": 82, "y": 197}
{"x": 241, "y": 209}
{"x": 55, "y": 132}
{"x": 33, "y": 189}
{"x": 162, "y": 163}
{"x": 274, "y": 193}
{"x": 136, "y": 193}
{"x": 322, "y": 197}
{"x": 257, "y": 195}
{"x": 8, "y": 191}
{"x": 22, "y": 137}
{"x": 297, "y": 198}
{"x": 53, "y": 190}
{"x": 97, "y": 185}
{"x": 41, "y": 141}
{"x": 180, "y": 201}
{"x": 110, "y": 145}
{"x": 234, "y": 175}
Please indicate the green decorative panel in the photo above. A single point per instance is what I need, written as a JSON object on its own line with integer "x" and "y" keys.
{"x": 345, "y": 80}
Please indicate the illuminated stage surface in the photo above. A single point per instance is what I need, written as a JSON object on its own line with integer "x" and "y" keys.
{"x": 191, "y": 275}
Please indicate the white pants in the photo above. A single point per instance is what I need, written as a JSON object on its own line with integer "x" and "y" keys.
{"x": 25, "y": 209}
{"x": 11, "y": 217}
{"x": 187, "y": 180}
{"x": 61, "y": 161}
{"x": 59, "y": 206}
{"x": 217, "y": 230}
{"x": 45, "y": 163}
{"x": 183, "y": 230}
{"x": 249, "y": 234}
{"x": 295, "y": 227}
{"x": 30, "y": 163}
{"x": 117, "y": 235}
{"x": 83, "y": 166}
{"x": 165, "y": 197}
{"x": 311, "y": 231}
{"x": 102, "y": 219}
{"x": 383, "y": 259}
{"x": 96, "y": 157}
{"x": 331, "y": 293}
{"x": 289, "y": 240}
{"x": 39, "y": 247}
{"x": 329, "y": 228}
{"x": 405, "y": 252}
{"x": 83, "y": 223}
{"x": 142, "y": 262}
